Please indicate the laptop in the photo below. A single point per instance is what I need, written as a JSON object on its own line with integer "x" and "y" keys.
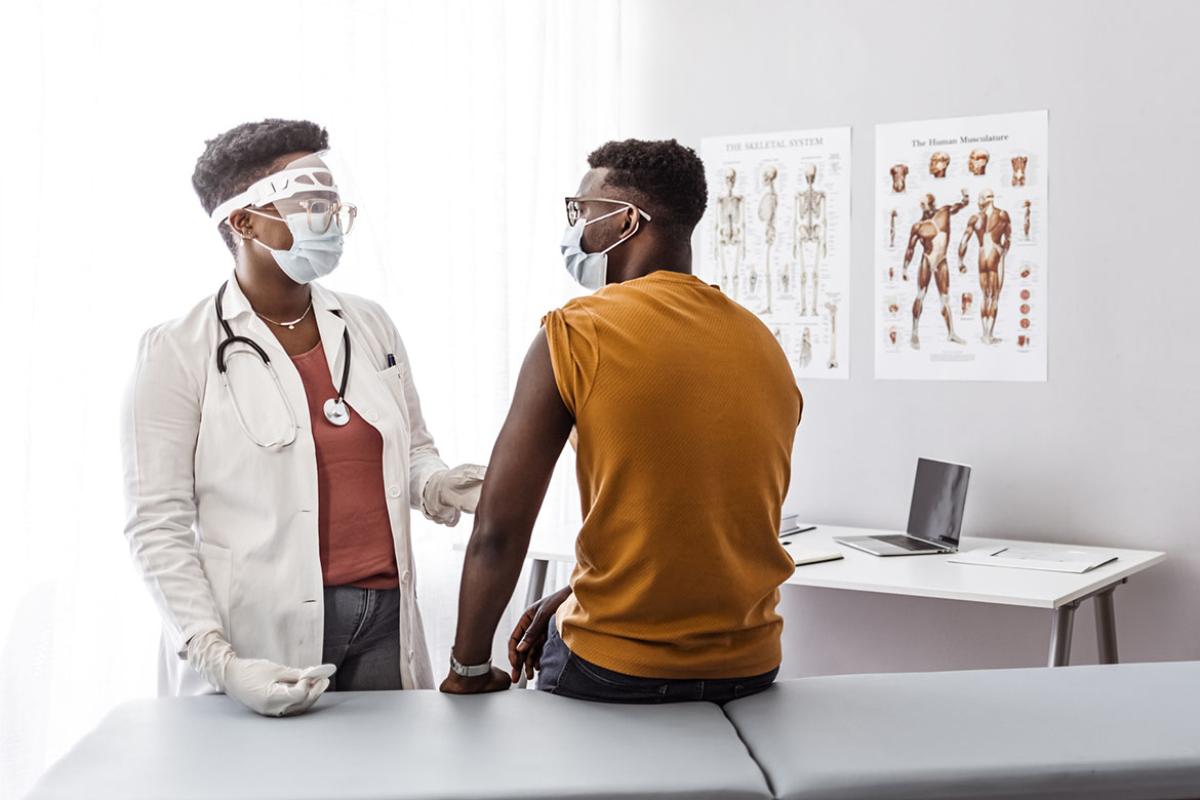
{"x": 934, "y": 516}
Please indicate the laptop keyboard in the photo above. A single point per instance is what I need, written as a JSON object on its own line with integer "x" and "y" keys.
{"x": 905, "y": 542}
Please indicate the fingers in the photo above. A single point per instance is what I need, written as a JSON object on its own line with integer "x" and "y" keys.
{"x": 315, "y": 690}
{"x": 515, "y": 654}
{"x": 282, "y": 698}
{"x": 319, "y": 671}
{"x": 287, "y": 674}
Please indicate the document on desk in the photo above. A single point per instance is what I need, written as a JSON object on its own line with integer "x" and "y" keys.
{"x": 1054, "y": 559}
{"x": 801, "y": 557}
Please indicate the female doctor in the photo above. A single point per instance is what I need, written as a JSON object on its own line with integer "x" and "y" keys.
{"x": 273, "y": 444}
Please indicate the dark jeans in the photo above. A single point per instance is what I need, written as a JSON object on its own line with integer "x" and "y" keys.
{"x": 567, "y": 674}
{"x": 362, "y": 638}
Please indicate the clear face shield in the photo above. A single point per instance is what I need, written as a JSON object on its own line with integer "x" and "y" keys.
{"x": 304, "y": 190}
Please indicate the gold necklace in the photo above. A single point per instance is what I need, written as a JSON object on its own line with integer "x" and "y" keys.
{"x": 291, "y": 326}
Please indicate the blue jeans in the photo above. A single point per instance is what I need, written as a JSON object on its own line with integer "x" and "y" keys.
{"x": 362, "y": 638}
{"x": 566, "y": 674}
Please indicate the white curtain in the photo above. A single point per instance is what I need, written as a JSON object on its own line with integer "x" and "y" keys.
{"x": 465, "y": 123}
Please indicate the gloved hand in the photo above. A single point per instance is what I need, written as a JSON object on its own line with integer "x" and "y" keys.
{"x": 451, "y": 491}
{"x": 264, "y": 687}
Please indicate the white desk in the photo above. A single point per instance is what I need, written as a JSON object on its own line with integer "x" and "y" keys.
{"x": 935, "y": 576}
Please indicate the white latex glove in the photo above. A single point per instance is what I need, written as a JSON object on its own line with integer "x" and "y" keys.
{"x": 451, "y": 491}
{"x": 264, "y": 687}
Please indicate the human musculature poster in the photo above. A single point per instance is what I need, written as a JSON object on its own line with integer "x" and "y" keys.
{"x": 960, "y": 248}
{"x": 776, "y": 238}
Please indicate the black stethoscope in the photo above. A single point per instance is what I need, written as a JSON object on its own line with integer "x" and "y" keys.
{"x": 335, "y": 407}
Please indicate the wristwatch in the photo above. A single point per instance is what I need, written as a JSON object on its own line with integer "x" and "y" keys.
{"x": 472, "y": 671}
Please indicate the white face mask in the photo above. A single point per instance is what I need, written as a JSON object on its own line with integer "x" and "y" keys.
{"x": 590, "y": 270}
{"x": 312, "y": 255}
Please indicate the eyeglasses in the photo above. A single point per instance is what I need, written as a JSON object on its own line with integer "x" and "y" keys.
{"x": 574, "y": 212}
{"x": 324, "y": 213}
{"x": 320, "y": 214}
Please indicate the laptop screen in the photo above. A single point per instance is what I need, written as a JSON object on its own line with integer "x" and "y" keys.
{"x": 939, "y": 497}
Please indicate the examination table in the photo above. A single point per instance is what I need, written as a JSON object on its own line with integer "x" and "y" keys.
{"x": 1121, "y": 731}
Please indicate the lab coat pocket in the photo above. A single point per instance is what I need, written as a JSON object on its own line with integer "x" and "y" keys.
{"x": 393, "y": 380}
{"x": 217, "y": 563}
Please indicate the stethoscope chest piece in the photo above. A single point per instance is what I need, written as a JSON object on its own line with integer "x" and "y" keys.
{"x": 336, "y": 411}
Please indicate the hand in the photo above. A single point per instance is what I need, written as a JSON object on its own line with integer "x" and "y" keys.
{"x": 264, "y": 687}
{"x": 495, "y": 681}
{"x": 271, "y": 689}
{"x": 528, "y": 638}
{"x": 448, "y": 492}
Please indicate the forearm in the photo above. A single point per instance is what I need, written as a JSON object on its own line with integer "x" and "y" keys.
{"x": 490, "y": 571}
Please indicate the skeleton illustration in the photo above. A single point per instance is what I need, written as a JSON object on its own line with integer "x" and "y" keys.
{"x": 766, "y": 212}
{"x": 899, "y": 173}
{"x": 805, "y": 349}
{"x": 1018, "y": 170}
{"x": 809, "y": 228}
{"x": 939, "y": 162}
{"x": 731, "y": 231}
{"x": 977, "y": 162}
{"x": 992, "y": 228}
{"x": 933, "y": 234}
{"x": 831, "y": 307}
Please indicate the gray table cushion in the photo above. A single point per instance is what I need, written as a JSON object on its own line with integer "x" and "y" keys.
{"x": 1126, "y": 731}
{"x": 399, "y": 745}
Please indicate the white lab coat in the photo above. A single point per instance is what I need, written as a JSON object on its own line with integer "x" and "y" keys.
{"x": 224, "y": 531}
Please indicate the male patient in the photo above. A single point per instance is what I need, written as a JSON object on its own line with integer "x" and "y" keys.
{"x": 686, "y": 409}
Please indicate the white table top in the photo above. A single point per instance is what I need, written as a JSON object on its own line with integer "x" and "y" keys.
{"x": 933, "y": 575}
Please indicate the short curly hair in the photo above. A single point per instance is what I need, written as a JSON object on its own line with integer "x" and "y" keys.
{"x": 238, "y": 157}
{"x": 665, "y": 177}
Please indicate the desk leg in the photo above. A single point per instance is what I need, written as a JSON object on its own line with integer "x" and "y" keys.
{"x": 537, "y": 585}
{"x": 1106, "y": 627}
{"x": 1060, "y": 634}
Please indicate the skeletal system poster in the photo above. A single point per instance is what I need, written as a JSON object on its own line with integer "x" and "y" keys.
{"x": 960, "y": 248}
{"x": 776, "y": 238}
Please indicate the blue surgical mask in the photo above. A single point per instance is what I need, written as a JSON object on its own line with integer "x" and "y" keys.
{"x": 312, "y": 255}
{"x": 590, "y": 270}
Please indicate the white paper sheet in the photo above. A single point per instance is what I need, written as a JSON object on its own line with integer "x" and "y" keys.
{"x": 958, "y": 162}
{"x": 776, "y": 238}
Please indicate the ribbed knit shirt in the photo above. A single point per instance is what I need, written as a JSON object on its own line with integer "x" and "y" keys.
{"x": 686, "y": 410}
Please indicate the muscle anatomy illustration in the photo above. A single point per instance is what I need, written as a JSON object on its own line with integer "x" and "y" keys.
{"x": 939, "y": 162}
{"x": 932, "y": 232}
{"x": 809, "y": 232}
{"x": 1018, "y": 170}
{"x": 1027, "y": 206}
{"x": 899, "y": 173}
{"x": 892, "y": 228}
{"x": 992, "y": 229}
{"x": 730, "y": 235}
{"x": 977, "y": 162}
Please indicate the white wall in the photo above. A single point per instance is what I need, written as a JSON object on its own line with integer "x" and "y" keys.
{"x": 1106, "y": 452}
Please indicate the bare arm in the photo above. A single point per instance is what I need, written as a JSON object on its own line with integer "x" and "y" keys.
{"x": 519, "y": 472}
{"x": 913, "y": 238}
{"x": 966, "y": 240}
{"x": 962, "y": 203}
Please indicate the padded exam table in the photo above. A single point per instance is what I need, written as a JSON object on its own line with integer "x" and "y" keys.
{"x": 1127, "y": 731}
